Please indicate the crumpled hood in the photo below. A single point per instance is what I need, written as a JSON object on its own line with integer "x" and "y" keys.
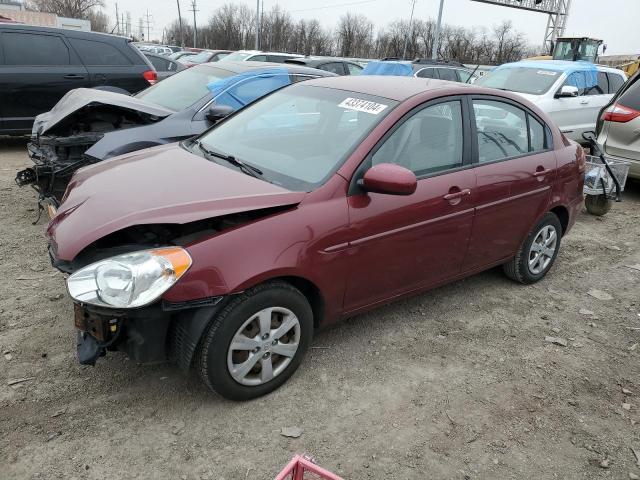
{"x": 165, "y": 184}
{"x": 79, "y": 98}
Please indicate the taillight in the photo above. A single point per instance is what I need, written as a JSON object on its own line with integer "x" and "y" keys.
{"x": 151, "y": 76}
{"x": 619, "y": 113}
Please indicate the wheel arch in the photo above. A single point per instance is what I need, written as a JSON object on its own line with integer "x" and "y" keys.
{"x": 562, "y": 213}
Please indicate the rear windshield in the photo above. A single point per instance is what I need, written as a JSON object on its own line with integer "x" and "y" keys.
{"x": 300, "y": 135}
{"x": 183, "y": 89}
{"x": 535, "y": 81}
{"x": 201, "y": 57}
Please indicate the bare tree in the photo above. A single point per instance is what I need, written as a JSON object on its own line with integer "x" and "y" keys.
{"x": 66, "y": 8}
{"x": 99, "y": 21}
{"x": 354, "y": 36}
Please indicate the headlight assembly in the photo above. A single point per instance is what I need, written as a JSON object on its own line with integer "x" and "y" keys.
{"x": 131, "y": 280}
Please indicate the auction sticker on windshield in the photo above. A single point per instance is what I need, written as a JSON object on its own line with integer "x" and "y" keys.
{"x": 360, "y": 105}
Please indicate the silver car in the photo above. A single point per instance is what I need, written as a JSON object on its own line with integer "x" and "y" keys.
{"x": 619, "y": 126}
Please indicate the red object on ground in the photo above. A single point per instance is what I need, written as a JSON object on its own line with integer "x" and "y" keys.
{"x": 303, "y": 467}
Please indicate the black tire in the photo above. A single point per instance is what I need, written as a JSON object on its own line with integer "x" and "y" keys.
{"x": 597, "y": 205}
{"x": 518, "y": 267}
{"x": 211, "y": 358}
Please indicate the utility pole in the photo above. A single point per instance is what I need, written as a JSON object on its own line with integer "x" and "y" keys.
{"x": 195, "y": 28}
{"x": 117, "y": 20}
{"x": 257, "y": 24}
{"x": 148, "y": 22}
{"x": 436, "y": 38}
{"x": 410, "y": 32}
{"x": 180, "y": 25}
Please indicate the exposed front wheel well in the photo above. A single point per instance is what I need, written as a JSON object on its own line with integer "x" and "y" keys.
{"x": 563, "y": 215}
{"x": 311, "y": 292}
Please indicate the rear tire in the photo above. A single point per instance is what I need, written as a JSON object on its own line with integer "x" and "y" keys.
{"x": 536, "y": 255}
{"x": 597, "y": 205}
{"x": 273, "y": 349}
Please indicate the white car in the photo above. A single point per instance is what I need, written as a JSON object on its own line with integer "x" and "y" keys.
{"x": 259, "y": 56}
{"x": 572, "y": 93}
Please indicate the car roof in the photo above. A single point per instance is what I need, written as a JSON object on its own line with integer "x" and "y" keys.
{"x": 240, "y": 67}
{"x": 316, "y": 60}
{"x": 387, "y": 86}
{"x": 64, "y": 31}
{"x": 565, "y": 66}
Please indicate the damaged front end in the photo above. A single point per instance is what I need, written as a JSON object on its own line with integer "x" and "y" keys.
{"x": 60, "y": 138}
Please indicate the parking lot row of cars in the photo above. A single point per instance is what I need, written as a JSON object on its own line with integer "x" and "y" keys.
{"x": 219, "y": 217}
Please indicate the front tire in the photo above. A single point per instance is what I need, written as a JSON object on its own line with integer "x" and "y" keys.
{"x": 256, "y": 342}
{"x": 536, "y": 255}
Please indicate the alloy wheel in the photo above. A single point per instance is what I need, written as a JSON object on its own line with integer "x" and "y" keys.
{"x": 543, "y": 249}
{"x": 263, "y": 346}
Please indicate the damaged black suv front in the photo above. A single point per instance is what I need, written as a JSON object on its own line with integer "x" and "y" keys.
{"x": 62, "y": 139}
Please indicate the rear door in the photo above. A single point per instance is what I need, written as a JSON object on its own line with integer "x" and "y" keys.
{"x": 404, "y": 243}
{"x": 107, "y": 64}
{"x": 516, "y": 168}
{"x": 39, "y": 68}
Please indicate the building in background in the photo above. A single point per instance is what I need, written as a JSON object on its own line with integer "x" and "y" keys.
{"x": 12, "y": 11}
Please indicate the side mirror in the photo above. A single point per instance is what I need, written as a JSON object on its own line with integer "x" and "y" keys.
{"x": 218, "y": 112}
{"x": 389, "y": 179}
{"x": 567, "y": 91}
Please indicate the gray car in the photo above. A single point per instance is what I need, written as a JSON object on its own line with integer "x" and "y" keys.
{"x": 619, "y": 124}
{"x": 87, "y": 125}
{"x": 164, "y": 65}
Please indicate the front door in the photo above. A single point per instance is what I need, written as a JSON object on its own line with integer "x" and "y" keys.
{"x": 515, "y": 172}
{"x": 403, "y": 243}
{"x": 38, "y": 70}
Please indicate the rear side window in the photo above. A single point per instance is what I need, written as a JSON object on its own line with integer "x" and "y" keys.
{"x": 259, "y": 58}
{"x": 615, "y": 82}
{"x": 631, "y": 98}
{"x": 98, "y": 53}
{"x": 501, "y": 129}
{"x": 537, "y": 137}
{"x": 333, "y": 67}
{"x": 427, "y": 73}
{"x": 160, "y": 64}
{"x": 429, "y": 141}
{"x": 448, "y": 74}
{"x": 34, "y": 49}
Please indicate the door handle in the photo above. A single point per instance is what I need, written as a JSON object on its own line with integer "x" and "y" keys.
{"x": 584, "y": 102}
{"x": 540, "y": 173}
{"x": 73, "y": 76}
{"x": 458, "y": 194}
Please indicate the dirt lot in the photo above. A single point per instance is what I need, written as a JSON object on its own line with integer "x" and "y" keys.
{"x": 458, "y": 383}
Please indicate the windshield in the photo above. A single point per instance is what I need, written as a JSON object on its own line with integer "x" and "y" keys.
{"x": 237, "y": 56}
{"x": 300, "y": 135}
{"x": 535, "y": 81}
{"x": 183, "y": 89}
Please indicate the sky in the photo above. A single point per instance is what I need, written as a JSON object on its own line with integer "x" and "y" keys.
{"x": 615, "y": 21}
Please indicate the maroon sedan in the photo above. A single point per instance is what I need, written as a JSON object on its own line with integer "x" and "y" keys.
{"x": 318, "y": 202}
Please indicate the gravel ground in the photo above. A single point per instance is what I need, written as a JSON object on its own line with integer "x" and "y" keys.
{"x": 458, "y": 383}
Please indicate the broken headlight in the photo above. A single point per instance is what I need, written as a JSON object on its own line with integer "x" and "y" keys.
{"x": 131, "y": 280}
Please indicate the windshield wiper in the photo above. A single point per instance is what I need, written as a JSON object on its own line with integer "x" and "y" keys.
{"x": 244, "y": 167}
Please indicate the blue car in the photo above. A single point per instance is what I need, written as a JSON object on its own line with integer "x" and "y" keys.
{"x": 90, "y": 125}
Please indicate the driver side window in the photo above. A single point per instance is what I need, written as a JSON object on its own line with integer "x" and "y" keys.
{"x": 429, "y": 141}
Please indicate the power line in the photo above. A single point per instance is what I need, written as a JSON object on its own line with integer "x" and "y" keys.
{"x": 332, "y": 6}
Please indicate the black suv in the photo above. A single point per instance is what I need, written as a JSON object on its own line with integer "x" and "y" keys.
{"x": 38, "y": 65}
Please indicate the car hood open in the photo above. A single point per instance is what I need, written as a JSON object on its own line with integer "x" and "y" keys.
{"x": 160, "y": 185}
{"x": 84, "y": 97}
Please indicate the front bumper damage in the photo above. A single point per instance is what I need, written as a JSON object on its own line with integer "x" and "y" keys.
{"x": 55, "y": 159}
{"x": 160, "y": 332}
